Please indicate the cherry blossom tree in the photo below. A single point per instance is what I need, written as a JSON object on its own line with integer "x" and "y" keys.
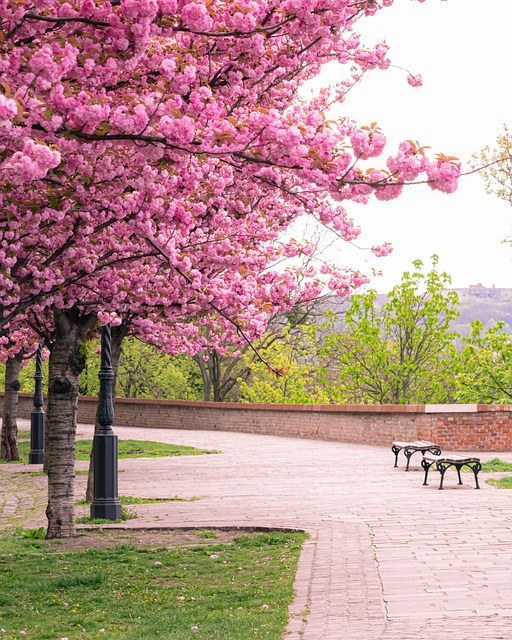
{"x": 152, "y": 153}
{"x": 102, "y": 99}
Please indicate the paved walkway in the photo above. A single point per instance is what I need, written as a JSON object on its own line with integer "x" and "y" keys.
{"x": 387, "y": 559}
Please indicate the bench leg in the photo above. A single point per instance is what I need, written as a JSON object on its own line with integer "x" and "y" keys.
{"x": 442, "y": 470}
{"x": 426, "y": 465}
{"x": 476, "y": 468}
{"x": 458, "y": 467}
{"x": 408, "y": 453}
{"x": 396, "y": 450}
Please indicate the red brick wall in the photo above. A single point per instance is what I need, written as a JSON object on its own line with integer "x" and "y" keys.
{"x": 487, "y": 429}
{"x": 453, "y": 427}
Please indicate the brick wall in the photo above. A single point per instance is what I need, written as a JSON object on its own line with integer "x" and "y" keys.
{"x": 453, "y": 427}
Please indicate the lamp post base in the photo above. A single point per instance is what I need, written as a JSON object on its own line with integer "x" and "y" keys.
{"x": 106, "y": 509}
{"x": 36, "y": 452}
{"x": 105, "y": 503}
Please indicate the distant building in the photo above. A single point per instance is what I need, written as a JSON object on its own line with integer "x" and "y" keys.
{"x": 479, "y": 291}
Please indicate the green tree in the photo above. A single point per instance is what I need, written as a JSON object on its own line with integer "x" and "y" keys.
{"x": 300, "y": 377}
{"x": 144, "y": 372}
{"x": 147, "y": 372}
{"x": 485, "y": 368}
{"x": 221, "y": 374}
{"x": 224, "y": 373}
{"x": 402, "y": 352}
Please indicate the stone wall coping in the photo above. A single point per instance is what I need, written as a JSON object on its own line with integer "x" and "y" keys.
{"x": 321, "y": 408}
{"x": 451, "y": 408}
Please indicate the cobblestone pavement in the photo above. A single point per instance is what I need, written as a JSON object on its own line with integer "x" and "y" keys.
{"x": 23, "y": 498}
{"x": 388, "y": 558}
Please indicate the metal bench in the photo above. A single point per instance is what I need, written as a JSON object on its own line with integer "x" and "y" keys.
{"x": 411, "y": 447}
{"x": 445, "y": 462}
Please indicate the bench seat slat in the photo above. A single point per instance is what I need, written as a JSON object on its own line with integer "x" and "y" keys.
{"x": 409, "y": 448}
{"x": 445, "y": 462}
{"x": 416, "y": 443}
{"x": 451, "y": 459}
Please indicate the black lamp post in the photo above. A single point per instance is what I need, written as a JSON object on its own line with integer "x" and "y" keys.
{"x": 37, "y": 416}
{"x": 105, "y": 502}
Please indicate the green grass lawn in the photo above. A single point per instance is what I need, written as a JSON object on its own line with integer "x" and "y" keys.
{"x": 496, "y": 465}
{"x": 234, "y": 589}
{"x": 501, "y": 483}
{"x": 130, "y": 449}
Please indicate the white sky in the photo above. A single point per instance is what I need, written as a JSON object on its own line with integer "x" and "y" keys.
{"x": 463, "y": 50}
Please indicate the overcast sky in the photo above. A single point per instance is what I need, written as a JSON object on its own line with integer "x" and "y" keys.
{"x": 463, "y": 50}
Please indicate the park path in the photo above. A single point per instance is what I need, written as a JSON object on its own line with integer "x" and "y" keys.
{"x": 388, "y": 558}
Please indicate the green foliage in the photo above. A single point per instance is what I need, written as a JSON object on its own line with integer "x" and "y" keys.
{"x": 220, "y": 373}
{"x": 89, "y": 384}
{"x": 144, "y": 372}
{"x": 299, "y": 375}
{"x": 484, "y": 372}
{"x": 224, "y": 374}
{"x": 401, "y": 353}
{"x": 27, "y": 375}
{"x": 147, "y": 372}
{"x": 229, "y": 591}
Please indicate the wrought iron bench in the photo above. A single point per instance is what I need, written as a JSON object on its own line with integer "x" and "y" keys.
{"x": 445, "y": 462}
{"x": 411, "y": 447}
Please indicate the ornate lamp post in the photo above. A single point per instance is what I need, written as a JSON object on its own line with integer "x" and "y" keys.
{"x": 105, "y": 502}
{"x": 37, "y": 416}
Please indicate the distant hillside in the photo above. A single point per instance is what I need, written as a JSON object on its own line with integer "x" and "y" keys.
{"x": 488, "y": 304}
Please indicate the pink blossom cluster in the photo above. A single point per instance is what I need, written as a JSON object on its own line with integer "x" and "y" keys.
{"x": 443, "y": 175}
{"x": 367, "y": 143}
{"x": 8, "y": 109}
{"x": 382, "y": 250}
{"x": 155, "y": 151}
{"x": 31, "y": 163}
{"x": 415, "y": 81}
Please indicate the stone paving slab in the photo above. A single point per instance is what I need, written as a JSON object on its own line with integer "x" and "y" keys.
{"x": 388, "y": 558}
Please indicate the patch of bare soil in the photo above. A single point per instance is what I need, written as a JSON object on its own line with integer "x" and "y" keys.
{"x": 99, "y": 538}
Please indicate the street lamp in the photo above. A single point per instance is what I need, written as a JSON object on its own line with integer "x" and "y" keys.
{"x": 37, "y": 416}
{"x": 105, "y": 502}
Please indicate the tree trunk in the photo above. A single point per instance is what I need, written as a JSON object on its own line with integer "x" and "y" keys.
{"x": 210, "y": 373}
{"x": 66, "y": 364}
{"x": 201, "y": 363}
{"x": 216, "y": 375}
{"x": 118, "y": 334}
{"x": 9, "y": 437}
